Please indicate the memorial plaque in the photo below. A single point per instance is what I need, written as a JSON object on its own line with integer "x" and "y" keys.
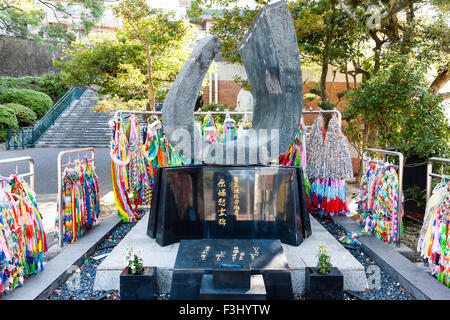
{"x": 226, "y": 202}
{"x": 198, "y": 257}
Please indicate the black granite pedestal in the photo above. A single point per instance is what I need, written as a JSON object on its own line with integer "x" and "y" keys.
{"x": 229, "y": 202}
{"x": 196, "y": 258}
{"x": 256, "y": 290}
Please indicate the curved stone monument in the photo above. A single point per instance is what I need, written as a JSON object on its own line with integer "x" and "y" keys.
{"x": 271, "y": 59}
{"x": 233, "y": 195}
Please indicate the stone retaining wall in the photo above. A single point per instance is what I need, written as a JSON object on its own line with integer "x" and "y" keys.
{"x": 25, "y": 58}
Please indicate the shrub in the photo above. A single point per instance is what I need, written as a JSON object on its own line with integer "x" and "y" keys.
{"x": 37, "y": 101}
{"x": 51, "y": 84}
{"x": 324, "y": 262}
{"x": 396, "y": 108}
{"x": 25, "y": 116}
{"x": 7, "y": 120}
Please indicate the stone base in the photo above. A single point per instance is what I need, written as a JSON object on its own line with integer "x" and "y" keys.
{"x": 257, "y": 290}
{"x": 108, "y": 272}
{"x": 196, "y": 258}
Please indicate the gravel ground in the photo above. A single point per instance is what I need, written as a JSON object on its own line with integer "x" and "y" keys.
{"x": 80, "y": 285}
{"x": 388, "y": 289}
{"x": 410, "y": 236}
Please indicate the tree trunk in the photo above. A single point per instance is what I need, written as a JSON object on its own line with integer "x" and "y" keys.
{"x": 347, "y": 82}
{"x": 152, "y": 102}
{"x": 442, "y": 78}
{"x": 326, "y": 55}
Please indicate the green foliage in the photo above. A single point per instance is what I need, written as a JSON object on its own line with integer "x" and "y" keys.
{"x": 244, "y": 84}
{"x": 325, "y": 34}
{"x": 25, "y": 116}
{"x": 330, "y": 34}
{"x": 39, "y": 102}
{"x": 133, "y": 261}
{"x": 230, "y": 27}
{"x": 415, "y": 194}
{"x": 310, "y": 97}
{"x": 396, "y": 108}
{"x": 324, "y": 260}
{"x": 52, "y": 85}
{"x": 28, "y": 19}
{"x": 326, "y": 105}
{"x": 134, "y": 67}
{"x": 314, "y": 21}
{"x": 8, "y": 120}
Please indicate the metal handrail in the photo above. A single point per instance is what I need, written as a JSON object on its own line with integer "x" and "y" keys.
{"x": 30, "y": 135}
{"x": 53, "y": 114}
{"x": 196, "y": 113}
{"x": 400, "y": 184}
{"x": 339, "y": 114}
{"x": 199, "y": 113}
{"x": 49, "y": 113}
{"x": 60, "y": 166}
{"x": 430, "y": 173}
{"x": 23, "y": 175}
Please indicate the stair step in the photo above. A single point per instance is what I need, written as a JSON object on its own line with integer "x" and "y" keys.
{"x": 79, "y": 126}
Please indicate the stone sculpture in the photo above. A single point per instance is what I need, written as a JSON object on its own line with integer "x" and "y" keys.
{"x": 269, "y": 52}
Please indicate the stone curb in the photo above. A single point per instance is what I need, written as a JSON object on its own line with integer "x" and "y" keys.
{"x": 414, "y": 279}
{"x": 60, "y": 268}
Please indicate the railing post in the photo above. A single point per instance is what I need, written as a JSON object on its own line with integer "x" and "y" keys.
{"x": 7, "y": 140}
{"x": 23, "y": 137}
{"x": 30, "y": 174}
{"x": 430, "y": 173}
{"x": 400, "y": 197}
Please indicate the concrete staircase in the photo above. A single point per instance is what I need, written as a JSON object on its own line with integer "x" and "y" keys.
{"x": 79, "y": 126}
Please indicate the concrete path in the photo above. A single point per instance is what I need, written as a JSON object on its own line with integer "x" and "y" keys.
{"x": 107, "y": 277}
{"x": 412, "y": 277}
{"x": 59, "y": 269}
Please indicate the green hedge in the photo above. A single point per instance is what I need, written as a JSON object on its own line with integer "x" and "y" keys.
{"x": 52, "y": 85}
{"x": 7, "y": 120}
{"x": 37, "y": 101}
{"x": 25, "y": 116}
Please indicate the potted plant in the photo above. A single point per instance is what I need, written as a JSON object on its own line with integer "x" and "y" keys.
{"x": 324, "y": 282}
{"x": 136, "y": 281}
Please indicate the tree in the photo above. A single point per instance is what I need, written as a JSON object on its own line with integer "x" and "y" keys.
{"x": 157, "y": 31}
{"x": 132, "y": 68}
{"x": 401, "y": 27}
{"x": 397, "y": 108}
{"x": 357, "y": 37}
{"x": 27, "y": 19}
{"x": 325, "y": 35}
